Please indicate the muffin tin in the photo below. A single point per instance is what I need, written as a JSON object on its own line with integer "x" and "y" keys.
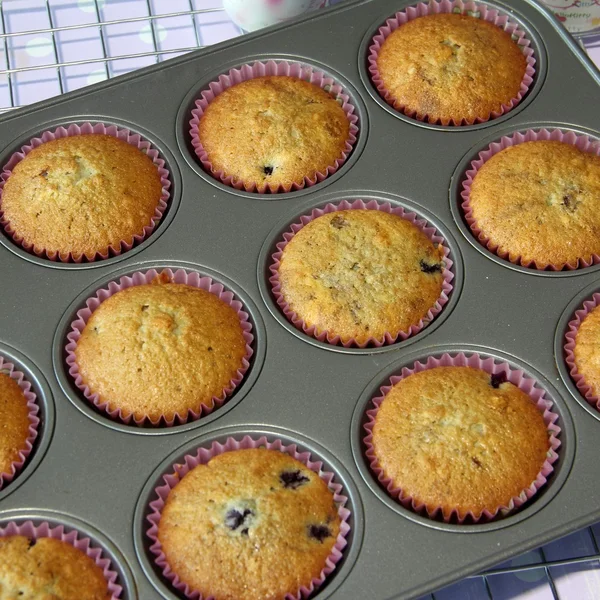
{"x": 97, "y": 475}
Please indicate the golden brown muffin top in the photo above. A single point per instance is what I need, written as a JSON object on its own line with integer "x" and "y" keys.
{"x": 458, "y": 438}
{"x": 587, "y": 350}
{"x": 14, "y": 422}
{"x": 451, "y": 67}
{"x": 539, "y": 201}
{"x": 361, "y": 273}
{"x": 249, "y": 525}
{"x": 273, "y": 131}
{"x": 81, "y": 194}
{"x": 48, "y": 569}
{"x": 160, "y": 349}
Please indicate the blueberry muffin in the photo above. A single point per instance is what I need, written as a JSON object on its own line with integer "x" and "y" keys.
{"x": 450, "y": 68}
{"x": 80, "y": 195}
{"x": 14, "y": 422}
{"x": 587, "y": 350}
{"x": 45, "y": 569}
{"x": 249, "y": 525}
{"x": 273, "y": 131}
{"x": 358, "y": 274}
{"x": 538, "y": 201}
{"x": 459, "y": 439}
{"x": 160, "y": 349}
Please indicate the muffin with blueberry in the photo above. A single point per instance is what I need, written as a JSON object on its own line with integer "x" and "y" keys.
{"x": 249, "y": 524}
{"x": 537, "y": 202}
{"x": 360, "y": 274}
{"x": 460, "y": 440}
{"x": 273, "y": 132}
{"x": 48, "y": 568}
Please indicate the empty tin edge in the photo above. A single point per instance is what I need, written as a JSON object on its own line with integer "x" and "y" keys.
{"x": 559, "y": 343}
{"x": 172, "y": 203}
{"x": 331, "y": 463}
{"x": 184, "y": 115}
{"x": 117, "y": 559}
{"x": 540, "y": 69}
{"x": 458, "y": 177}
{"x": 46, "y": 415}
{"x": 87, "y": 408}
{"x": 562, "y": 466}
{"x": 276, "y": 235}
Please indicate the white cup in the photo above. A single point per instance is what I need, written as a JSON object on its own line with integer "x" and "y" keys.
{"x": 251, "y": 15}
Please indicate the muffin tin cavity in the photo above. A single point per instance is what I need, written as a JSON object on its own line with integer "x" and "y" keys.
{"x": 187, "y": 119}
{"x": 54, "y": 524}
{"x": 464, "y": 171}
{"x": 453, "y": 279}
{"x": 544, "y": 494}
{"x": 169, "y": 174}
{"x": 45, "y": 414}
{"x": 567, "y": 324}
{"x": 472, "y": 9}
{"x": 241, "y": 515}
{"x": 64, "y": 370}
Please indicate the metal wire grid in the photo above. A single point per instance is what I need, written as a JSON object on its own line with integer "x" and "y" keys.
{"x": 98, "y": 26}
{"x": 108, "y": 60}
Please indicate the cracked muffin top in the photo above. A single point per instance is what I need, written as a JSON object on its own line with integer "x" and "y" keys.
{"x": 158, "y": 349}
{"x": 358, "y": 274}
{"x": 459, "y": 439}
{"x": 249, "y": 525}
{"x": 48, "y": 568}
{"x": 450, "y": 67}
{"x": 14, "y": 422}
{"x": 273, "y": 131}
{"x": 81, "y": 194}
{"x": 538, "y": 201}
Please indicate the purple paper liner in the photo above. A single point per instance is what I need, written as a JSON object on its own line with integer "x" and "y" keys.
{"x": 422, "y": 9}
{"x": 9, "y": 369}
{"x": 389, "y": 337}
{"x": 72, "y": 537}
{"x": 569, "y": 348}
{"x": 582, "y": 142}
{"x": 202, "y": 456}
{"x": 272, "y": 68}
{"x": 125, "y": 135}
{"x": 515, "y": 376}
{"x": 143, "y": 278}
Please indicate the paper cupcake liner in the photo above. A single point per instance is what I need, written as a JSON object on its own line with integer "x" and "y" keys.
{"x": 125, "y": 135}
{"x": 142, "y": 278}
{"x": 582, "y": 142}
{"x": 569, "y": 348}
{"x": 514, "y": 376}
{"x": 202, "y": 456}
{"x": 389, "y": 337}
{"x": 73, "y": 537}
{"x": 271, "y": 68}
{"x": 8, "y": 368}
{"x": 474, "y": 9}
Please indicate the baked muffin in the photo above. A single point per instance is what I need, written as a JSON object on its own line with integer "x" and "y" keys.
{"x": 47, "y": 568}
{"x": 586, "y": 351}
{"x": 159, "y": 349}
{"x": 14, "y": 422}
{"x": 273, "y": 131}
{"x": 538, "y": 201}
{"x": 358, "y": 274}
{"x": 459, "y": 439}
{"x": 79, "y": 195}
{"x": 450, "y": 67}
{"x": 249, "y": 525}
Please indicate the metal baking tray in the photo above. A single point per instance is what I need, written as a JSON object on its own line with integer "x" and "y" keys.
{"x": 98, "y": 475}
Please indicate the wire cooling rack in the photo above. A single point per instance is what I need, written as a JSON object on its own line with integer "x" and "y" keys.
{"x": 49, "y": 47}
